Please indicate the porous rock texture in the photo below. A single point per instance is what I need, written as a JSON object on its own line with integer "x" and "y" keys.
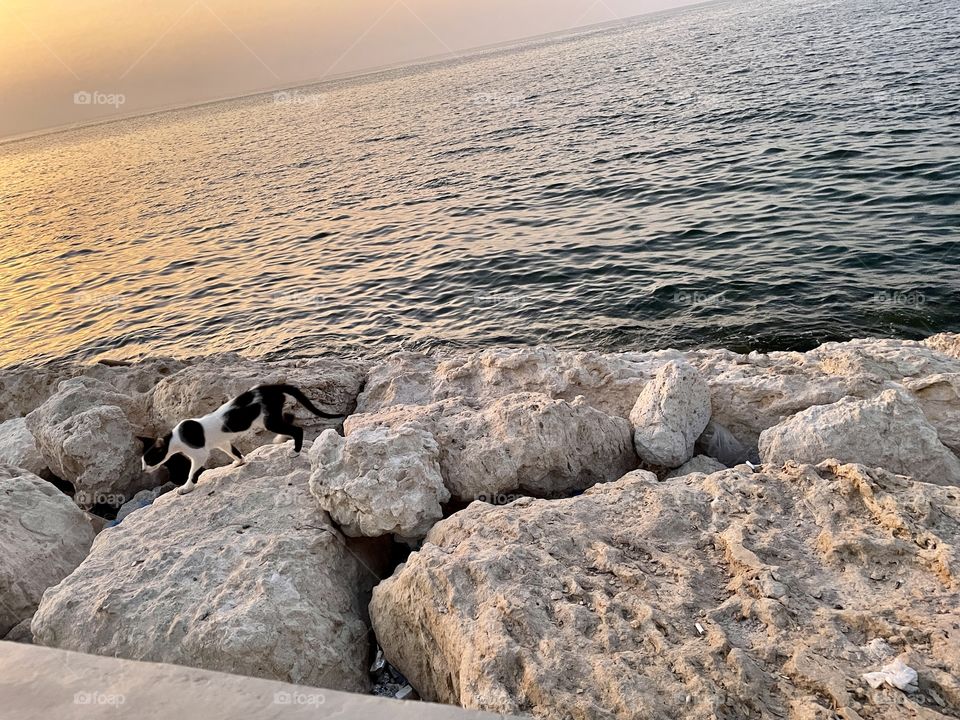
{"x": 245, "y": 575}
{"x": 756, "y": 391}
{"x": 20, "y": 633}
{"x": 23, "y": 388}
{"x": 610, "y": 383}
{"x": 732, "y": 595}
{"x": 379, "y": 481}
{"x": 87, "y": 434}
{"x": 697, "y": 464}
{"x": 43, "y": 537}
{"x": 19, "y": 449}
{"x": 670, "y": 414}
{"x": 523, "y": 442}
{"x": 749, "y": 392}
{"x": 939, "y": 397}
{"x": 889, "y": 431}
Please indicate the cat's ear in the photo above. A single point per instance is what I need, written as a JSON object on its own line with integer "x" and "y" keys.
{"x": 146, "y": 442}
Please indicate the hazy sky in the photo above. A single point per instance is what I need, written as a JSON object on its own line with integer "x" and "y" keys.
{"x": 156, "y": 53}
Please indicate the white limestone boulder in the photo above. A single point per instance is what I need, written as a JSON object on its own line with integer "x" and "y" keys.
{"x": 752, "y": 393}
{"x": 731, "y": 595}
{"x": 945, "y": 343}
{"x": 245, "y": 575}
{"x": 86, "y": 434}
{"x": 19, "y": 449}
{"x": 24, "y": 388}
{"x": 380, "y": 480}
{"x": 939, "y": 398}
{"x": 523, "y": 442}
{"x": 609, "y": 383}
{"x": 670, "y": 414}
{"x": 43, "y": 537}
{"x": 888, "y": 431}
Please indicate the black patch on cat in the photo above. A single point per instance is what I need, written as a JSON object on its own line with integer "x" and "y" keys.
{"x": 178, "y": 469}
{"x": 275, "y": 423}
{"x": 243, "y": 411}
{"x": 274, "y": 396}
{"x": 191, "y": 432}
{"x": 247, "y": 398}
{"x": 157, "y": 451}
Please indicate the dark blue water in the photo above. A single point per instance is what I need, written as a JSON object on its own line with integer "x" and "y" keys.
{"x": 751, "y": 175}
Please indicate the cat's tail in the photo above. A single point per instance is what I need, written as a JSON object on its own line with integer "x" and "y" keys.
{"x": 297, "y": 394}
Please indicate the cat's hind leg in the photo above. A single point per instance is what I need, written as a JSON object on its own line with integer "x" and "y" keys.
{"x": 232, "y": 451}
{"x": 277, "y": 423}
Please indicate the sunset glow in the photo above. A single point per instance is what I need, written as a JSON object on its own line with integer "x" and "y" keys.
{"x": 155, "y": 54}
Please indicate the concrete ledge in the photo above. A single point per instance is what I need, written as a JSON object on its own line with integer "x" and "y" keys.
{"x": 38, "y": 683}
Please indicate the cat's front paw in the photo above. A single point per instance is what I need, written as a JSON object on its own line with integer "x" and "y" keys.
{"x": 186, "y": 489}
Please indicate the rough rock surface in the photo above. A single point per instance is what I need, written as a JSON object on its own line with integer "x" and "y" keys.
{"x": 939, "y": 397}
{"x": 754, "y": 392}
{"x": 379, "y": 480}
{"x": 750, "y": 393}
{"x": 697, "y": 464}
{"x": 24, "y": 388}
{"x": 87, "y": 435}
{"x": 20, "y": 633}
{"x": 732, "y": 595}
{"x": 670, "y": 414}
{"x": 523, "y": 442}
{"x": 945, "y": 343}
{"x": 610, "y": 383}
{"x": 889, "y": 431}
{"x": 245, "y": 575}
{"x": 43, "y": 537}
{"x": 19, "y": 449}
{"x": 332, "y": 385}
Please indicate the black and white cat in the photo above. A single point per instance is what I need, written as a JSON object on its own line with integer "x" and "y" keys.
{"x": 261, "y": 406}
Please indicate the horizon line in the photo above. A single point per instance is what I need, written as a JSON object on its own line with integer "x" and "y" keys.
{"x": 465, "y": 55}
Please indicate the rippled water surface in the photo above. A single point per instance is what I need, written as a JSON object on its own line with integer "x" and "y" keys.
{"x": 750, "y": 175}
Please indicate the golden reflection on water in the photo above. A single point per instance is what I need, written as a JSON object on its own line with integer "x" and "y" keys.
{"x": 564, "y": 193}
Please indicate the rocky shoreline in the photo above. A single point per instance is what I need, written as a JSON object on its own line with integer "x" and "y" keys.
{"x": 524, "y": 531}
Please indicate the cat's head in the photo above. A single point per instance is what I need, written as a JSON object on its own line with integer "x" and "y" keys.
{"x": 156, "y": 452}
